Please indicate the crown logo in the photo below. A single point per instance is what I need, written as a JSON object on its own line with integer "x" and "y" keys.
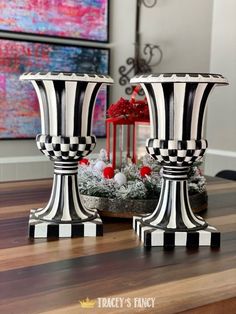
{"x": 87, "y": 304}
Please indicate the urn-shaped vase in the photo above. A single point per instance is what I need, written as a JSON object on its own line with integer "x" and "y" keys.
{"x": 66, "y": 102}
{"x": 177, "y": 103}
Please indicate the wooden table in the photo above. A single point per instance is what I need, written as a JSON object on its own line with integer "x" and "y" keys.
{"x": 40, "y": 276}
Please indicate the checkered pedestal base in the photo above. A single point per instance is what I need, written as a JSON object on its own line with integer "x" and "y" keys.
{"x": 151, "y": 236}
{"x": 42, "y": 229}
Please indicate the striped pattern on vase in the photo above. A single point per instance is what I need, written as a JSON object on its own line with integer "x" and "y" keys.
{"x": 66, "y": 102}
{"x": 177, "y": 103}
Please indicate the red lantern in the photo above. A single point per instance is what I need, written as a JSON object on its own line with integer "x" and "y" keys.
{"x": 125, "y": 116}
{"x": 116, "y": 129}
{"x": 141, "y": 134}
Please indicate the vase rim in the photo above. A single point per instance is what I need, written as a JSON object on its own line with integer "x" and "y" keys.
{"x": 67, "y": 76}
{"x": 179, "y": 78}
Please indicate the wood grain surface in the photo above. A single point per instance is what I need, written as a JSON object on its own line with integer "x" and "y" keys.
{"x": 53, "y": 276}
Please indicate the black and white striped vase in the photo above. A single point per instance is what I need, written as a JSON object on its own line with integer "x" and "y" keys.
{"x": 177, "y": 106}
{"x": 66, "y": 102}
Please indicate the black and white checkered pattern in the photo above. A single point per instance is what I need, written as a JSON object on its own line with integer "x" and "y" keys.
{"x": 176, "y": 153}
{"x": 65, "y": 148}
{"x": 152, "y": 236}
{"x": 43, "y": 229}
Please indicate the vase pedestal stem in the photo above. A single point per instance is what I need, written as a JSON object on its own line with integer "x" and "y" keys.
{"x": 65, "y": 214}
{"x": 173, "y": 223}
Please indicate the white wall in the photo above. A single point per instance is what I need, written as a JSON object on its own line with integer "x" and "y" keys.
{"x": 221, "y": 116}
{"x": 183, "y": 30}
{"x": 181, "y": 27}
{"x": 122, "y": 23}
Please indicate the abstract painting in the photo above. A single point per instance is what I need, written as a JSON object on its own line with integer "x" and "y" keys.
{"x": 19, "y": 109}
{"x": 81, "y": 19}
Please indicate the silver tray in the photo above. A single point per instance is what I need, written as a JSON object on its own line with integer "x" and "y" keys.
{"x": 109, "y": 207}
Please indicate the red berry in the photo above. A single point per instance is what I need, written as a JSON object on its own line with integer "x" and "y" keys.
{"x": 108, "y": 172}
{"x": 145, "y": 170}
{"x": 84, "y": 161}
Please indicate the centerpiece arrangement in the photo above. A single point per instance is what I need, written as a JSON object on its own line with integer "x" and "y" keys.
{"x": 134, "y": 185}
{"x": 134, "y": 189}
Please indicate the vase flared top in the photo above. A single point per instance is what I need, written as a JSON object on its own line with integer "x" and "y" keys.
{"x": 67, "y": 76}
{"x": 177, "y": 102}
{"x": 66, "y": 101}
{"x": 179, "y": 78}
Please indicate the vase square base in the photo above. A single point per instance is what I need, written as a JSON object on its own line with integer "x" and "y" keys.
{"x": 43, "y": 229}
{"x": 151, "y": 236}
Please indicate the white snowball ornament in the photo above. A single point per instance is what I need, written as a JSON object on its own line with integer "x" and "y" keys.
{"x": 120, "y": 178}
{"x": 103, "y": 154}
{"x": 99, "y": 165}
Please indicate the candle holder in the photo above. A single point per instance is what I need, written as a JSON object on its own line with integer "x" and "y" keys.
{"x": 177, "y": 105}
{"x": 66, "y": 102}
